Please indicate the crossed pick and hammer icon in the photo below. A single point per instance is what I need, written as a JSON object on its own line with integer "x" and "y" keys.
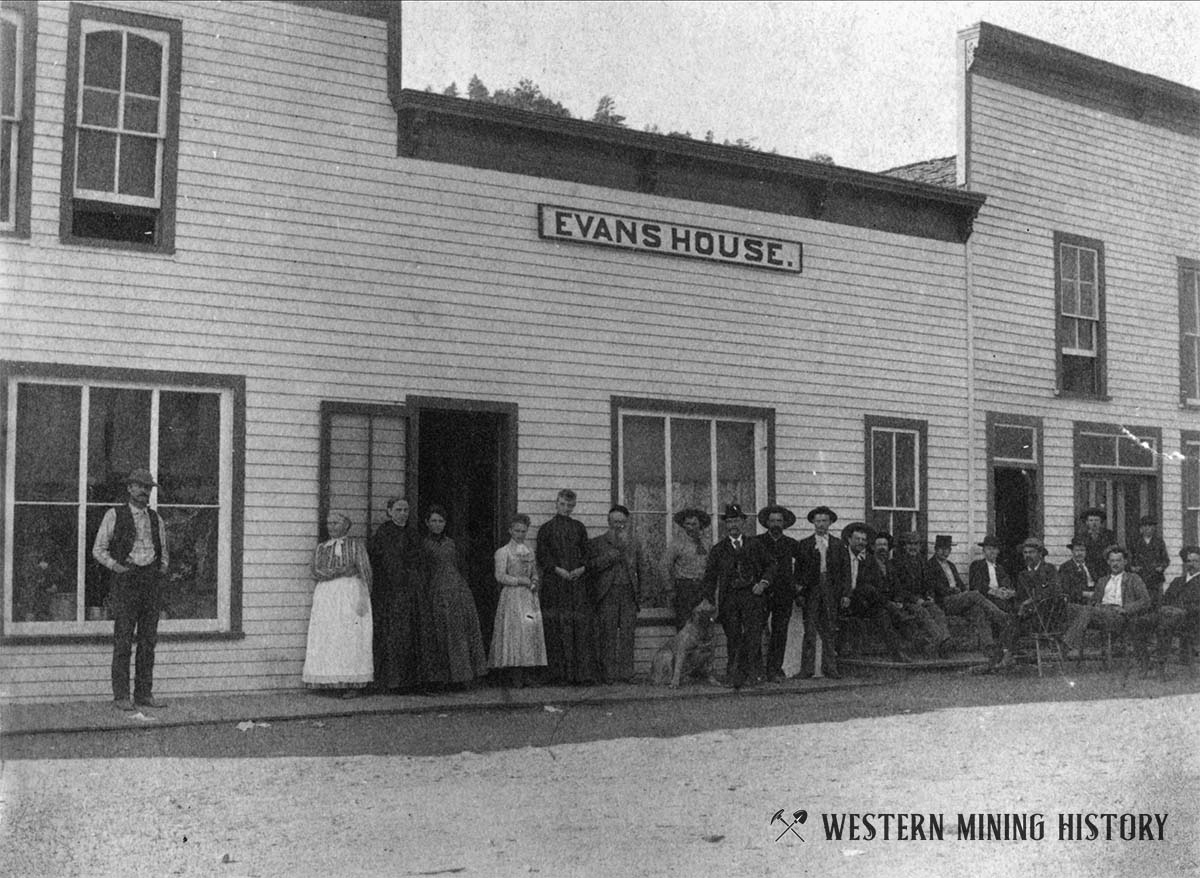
{"x": 798, "y": 817}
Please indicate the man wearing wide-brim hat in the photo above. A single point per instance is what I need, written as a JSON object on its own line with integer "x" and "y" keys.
{"x": 1148, "y": 556}
{"x": 684, "y": 562}
{"x": 132, "y": 544}
{"x": 822, "y": 578}
{"x": 1096, "y": 537}
{"x": 735, "y": 580}
{"x": 781, "y": 593}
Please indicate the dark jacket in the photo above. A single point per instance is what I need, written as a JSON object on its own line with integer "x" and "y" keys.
{"x": 1038, "y": 584}
{"x": 610, "y": 564}
{"x": 783, "y": 554}
{"x": 873, "y": 588}
{"x": 837, "y": 567}
{"x": 1181, "y": 593}
{"x": 1073, "y": 580}
{"x": 1096, "y": 546}
{"x": 936, "y": 577}
{"x": 1135, "y": 597}
{"x": 977, "y": 576}
{"x": 1149, "y": 561}
{"x": 729, "y": 570}
{"x": 911, "y": 582}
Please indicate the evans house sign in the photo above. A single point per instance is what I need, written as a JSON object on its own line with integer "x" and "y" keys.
{"x": 656, "y": 236}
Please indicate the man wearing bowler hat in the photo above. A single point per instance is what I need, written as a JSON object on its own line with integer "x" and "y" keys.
{"x": 822, "y": 578}
{"x": 1096, "y": 538}
{"x": 132, "y": 544}
{"x": 781, "y": 593}
{"x": 684, "y": 562}
{"x": 736, "y": 577}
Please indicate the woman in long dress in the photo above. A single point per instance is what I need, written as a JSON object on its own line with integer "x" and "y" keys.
{"x": 398, "y": 601}
{"x": 453, "y": 646}
{"x": 517, "y": 640}
{"x": 339, "y": 629}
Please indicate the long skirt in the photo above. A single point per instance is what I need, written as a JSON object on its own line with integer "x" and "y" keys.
{"x": 517, "y": 639}
{"x": 339, "y": 640}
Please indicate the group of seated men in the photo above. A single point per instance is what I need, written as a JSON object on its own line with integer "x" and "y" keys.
{"x": 905, "y": 598}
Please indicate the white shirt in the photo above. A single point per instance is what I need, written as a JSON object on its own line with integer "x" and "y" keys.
{"x": 823, "y": 548}
{"x": 1113, "y": 591}
{"x": 855, "y": 560}
{"x": 993, "y": 582}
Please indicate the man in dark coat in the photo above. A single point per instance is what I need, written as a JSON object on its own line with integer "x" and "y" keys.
{"x": 987, "y": 576}
{"x": 568, "y": 615}
{"x": 955, "y": 599}
{"x": 1180, "y": 610}
{"x": 1096, "y": 539}
{"x": 1148, "y": 557}
{"x": 869, "y": 585}
{"x": 914, "y": 590}
{"x": 781, "y": 593}
{"x": 618, "y": 570}
{"x": 822, "y": 578}
{"x": 736, "y": 578}
{"x": 1074, "y": 575}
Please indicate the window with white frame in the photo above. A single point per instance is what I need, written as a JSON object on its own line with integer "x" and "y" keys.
{"x": 18, "y": 44}
{"x": 70, "y": 445}
{"x": 121, "y": 129}
{"x": 1189, "y": 332}
{"x": 692, "y": 457}
{"x": 1079, "y": 271}
{"x": 362, "y": 462}
{"x": 1191, "y": 488}
{"x": 896, "y": 474}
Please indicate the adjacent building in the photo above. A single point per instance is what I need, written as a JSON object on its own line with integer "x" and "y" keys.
{"x": 237, "y": 251}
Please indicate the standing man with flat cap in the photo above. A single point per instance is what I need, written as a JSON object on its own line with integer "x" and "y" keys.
{"x": 822, "y": 577}
{"x": 735, "y": 579}
{"x": 781, "y": 593}
{"x": 132, "y": 544}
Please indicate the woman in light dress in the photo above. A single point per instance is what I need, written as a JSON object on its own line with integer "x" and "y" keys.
{"x": 518, "y": 643}
{"x": 339, "y": 629}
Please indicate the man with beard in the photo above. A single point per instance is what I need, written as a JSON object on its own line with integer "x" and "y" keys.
{"x": 735, "y": 579}
{"x": 781, "y": 593}
{"x": 869, "y": 586}
{"x": 822, "y": 576}
{"x": 617, "y": 568}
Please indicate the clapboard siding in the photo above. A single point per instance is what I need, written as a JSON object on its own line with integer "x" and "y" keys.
{"x": 1050, "y": 165}
{"x": 316, "y": 263}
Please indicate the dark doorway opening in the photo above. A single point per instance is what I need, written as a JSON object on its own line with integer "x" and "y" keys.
{"x": 1015, "y": 509}
{"x": 1125, "y": 499}
{"x": 464, "y": 462}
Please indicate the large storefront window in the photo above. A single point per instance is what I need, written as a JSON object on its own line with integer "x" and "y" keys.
{"x": 70, "y": 448}
{"x": 671, "y": 459}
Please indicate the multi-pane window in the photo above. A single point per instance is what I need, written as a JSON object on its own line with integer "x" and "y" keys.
{"x": 1189, "y": 331}
{"x": 18, "y": 42}
{"x": 895, "y": 468}
{"x": 70, "y": 447}
{"x": 1191, "y": 488}
{"x": 671, "y": 461}
{"x": 122, "y": 128}
{"x": 1079, "y": 271}
{"x": 362, "y": 462}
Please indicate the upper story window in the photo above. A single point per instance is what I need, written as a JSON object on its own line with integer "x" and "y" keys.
{"x": 120, "y": 146}
{"x": 18, "y": 42}
{"x": 1079, "y": 276}
{"x": 1189, "y": 332}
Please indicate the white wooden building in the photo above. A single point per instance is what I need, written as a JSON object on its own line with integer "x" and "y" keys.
{"x": 237, "y": 251}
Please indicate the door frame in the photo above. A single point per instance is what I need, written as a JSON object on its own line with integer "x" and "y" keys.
{"x": 506, "y": 477}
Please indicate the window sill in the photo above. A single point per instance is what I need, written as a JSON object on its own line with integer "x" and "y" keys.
{"x": 1090, "y": 397}
{"x": 106, "y": 638}
{"x": 127, "y": 246}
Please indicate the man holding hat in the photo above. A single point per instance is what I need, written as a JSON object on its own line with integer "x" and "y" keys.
{"x": 132, "y": 544}
{"x": 781, "y": 593}
{"x": 822, "y": 577}
{"x": 1096, "y": 539}
{"x": 684, "y": 562}
{"x": 735, "y": 579}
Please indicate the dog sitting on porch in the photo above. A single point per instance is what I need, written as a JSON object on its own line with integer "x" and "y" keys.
{"x": 689, "y": 653}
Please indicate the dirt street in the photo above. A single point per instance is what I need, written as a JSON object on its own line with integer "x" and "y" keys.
{"x": 690, "y": 805}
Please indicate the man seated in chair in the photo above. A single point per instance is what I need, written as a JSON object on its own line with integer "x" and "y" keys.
{"x": 988, "y": 576}
{"x": 1179, "y": 614}
{"x": 1039, "y": 597}
{"x": 911, "y": 600}
{"x": 870, "y": 583}
{"x": 955, "y": 599}
{"x": 1121, "y": 604}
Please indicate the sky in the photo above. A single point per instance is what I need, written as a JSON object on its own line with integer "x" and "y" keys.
{"x": 872, "y": 84}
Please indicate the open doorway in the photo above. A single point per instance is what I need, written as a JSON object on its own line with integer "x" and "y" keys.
{"x": 1015, "y": 509}
{"x": 1125, "y": 499}
{"x": 463, "y": 457}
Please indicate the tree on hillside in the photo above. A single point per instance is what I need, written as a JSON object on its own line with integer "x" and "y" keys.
{"x": 451, "y": 90}
{"x": 822, "y": 157}
{"x": 606, "y": 112}
{"x": 527, "y": 96}
{"x": 476, "y": 90}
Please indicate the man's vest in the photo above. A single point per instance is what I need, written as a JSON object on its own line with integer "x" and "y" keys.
{"x": 125, "y": 534}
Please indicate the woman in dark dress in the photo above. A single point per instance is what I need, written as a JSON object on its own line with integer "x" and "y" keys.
{"x": 453, "y": 651}
{"x": 398, "y": 601}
